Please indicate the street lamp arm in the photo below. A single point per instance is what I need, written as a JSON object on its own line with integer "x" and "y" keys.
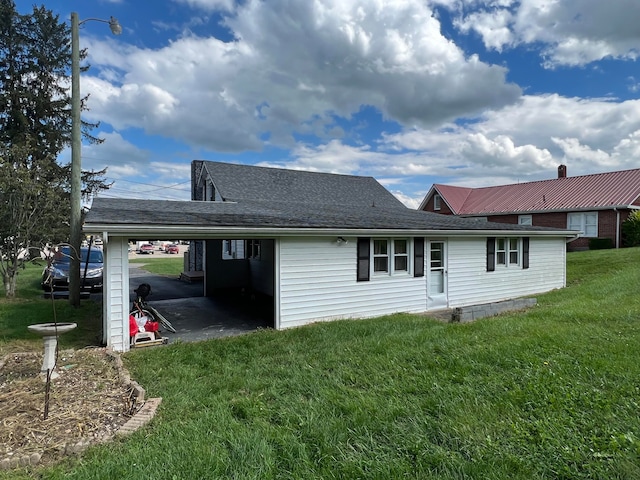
{"x": 114, "y": 25}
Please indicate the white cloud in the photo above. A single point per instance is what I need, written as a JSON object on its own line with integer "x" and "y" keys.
{"x": 298, "y": 72}
{"x": 209, "y": 5}
{"x": 494, "y": 27}
{"x": 120, "y": 156}
{"x": 527, "y": 141}
{"x": 299, "y": 64}
{"x": 572, "y": 32}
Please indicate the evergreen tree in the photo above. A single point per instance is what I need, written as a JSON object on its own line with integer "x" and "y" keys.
{"x": 35, "y": 126}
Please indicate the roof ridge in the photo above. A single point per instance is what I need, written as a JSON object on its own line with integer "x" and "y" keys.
{"x": 285, "y": 169}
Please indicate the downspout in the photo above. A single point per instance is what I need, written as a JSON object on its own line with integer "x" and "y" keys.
{"x": 615, "y": 209}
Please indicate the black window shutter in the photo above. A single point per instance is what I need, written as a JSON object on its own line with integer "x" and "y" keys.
{"x": 525, "y": 252}
{"x": 491, "y": 254}
{"x": 363, "y": 259}
{"x": 418, "y": 257}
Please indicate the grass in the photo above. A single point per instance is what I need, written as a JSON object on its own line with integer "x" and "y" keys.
{"x": 547, "y": 393}
{"x": 169, "y": 265}
{"x": 29, "y": 307}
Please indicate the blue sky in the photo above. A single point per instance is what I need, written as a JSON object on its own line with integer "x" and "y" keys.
{"x": 411, "y": 92}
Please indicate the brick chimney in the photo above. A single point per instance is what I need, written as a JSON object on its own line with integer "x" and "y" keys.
{"x": 562, "y": 171}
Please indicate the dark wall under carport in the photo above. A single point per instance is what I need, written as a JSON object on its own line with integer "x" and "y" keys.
{"x": 244, "y": 284}
{"x": 249, "y": 275}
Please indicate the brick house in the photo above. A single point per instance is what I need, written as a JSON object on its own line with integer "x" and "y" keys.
{"x": 594, "y": 204}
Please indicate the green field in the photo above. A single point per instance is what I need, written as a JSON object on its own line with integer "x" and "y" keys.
{"x": 166, "y": 265}
{"x": 552, "y": 392}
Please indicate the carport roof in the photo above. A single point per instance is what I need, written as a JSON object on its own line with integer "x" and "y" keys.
{"x": 196, "y": 219}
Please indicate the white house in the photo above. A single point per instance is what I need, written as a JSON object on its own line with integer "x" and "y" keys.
{"x": 325, "y": 247}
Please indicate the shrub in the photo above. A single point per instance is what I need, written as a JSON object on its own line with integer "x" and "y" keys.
{"x": 631, "y": 230}
{"x": 600, "y": 243}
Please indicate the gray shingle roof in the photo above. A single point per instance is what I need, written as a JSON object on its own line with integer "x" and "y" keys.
{"x": 273, "y": 215}
{"x": 247, "y": 182}
{"x": 269, "y": 199}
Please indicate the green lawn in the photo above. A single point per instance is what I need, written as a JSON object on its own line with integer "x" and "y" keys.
{"x": 29, "y": 307}
{"x": 168, "y": 265}
{"x": 552, "y": 392}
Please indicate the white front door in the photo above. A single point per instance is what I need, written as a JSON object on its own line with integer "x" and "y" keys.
{"x": 436, "y": 274}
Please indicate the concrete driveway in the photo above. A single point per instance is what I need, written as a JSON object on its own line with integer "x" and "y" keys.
{"x": 196, "y": 317}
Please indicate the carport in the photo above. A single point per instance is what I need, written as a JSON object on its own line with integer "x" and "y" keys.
{"x": 219, "y": 305}
{"x": 197, "y": 317}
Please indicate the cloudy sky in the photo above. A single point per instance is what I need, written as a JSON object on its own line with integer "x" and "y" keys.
{"x": 411, "y": 92}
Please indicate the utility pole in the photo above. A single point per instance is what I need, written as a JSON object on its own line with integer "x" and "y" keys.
{"x": 76, "y": 157}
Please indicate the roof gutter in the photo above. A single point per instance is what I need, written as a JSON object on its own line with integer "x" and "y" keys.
{"x": 190, "y": 232}
{"x": 560, "y": 210}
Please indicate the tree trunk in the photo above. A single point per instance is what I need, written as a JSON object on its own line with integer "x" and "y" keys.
{"x": 9, "y": 280}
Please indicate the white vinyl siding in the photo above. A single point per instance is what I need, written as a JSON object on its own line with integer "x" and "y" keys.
{"x": 586, "y": 222}
{"x": 116, "y": 294}
{"x": 469, "y": 282}
{"x": 318, "y": 282}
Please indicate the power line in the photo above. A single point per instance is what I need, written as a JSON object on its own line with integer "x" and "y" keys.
{"x": 172, "y": 187}
{"x": 137, "y": 196}
{"x": 152, "y": 185}
{"x": 115, "y": 192}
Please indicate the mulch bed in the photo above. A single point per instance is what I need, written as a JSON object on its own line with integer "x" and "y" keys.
{"x": 88, "y": 403}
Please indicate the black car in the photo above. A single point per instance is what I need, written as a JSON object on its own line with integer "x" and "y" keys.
{"x": 91, "y": 267}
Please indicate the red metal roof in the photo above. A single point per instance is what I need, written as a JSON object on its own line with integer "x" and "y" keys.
{"x": 602, "y": 190}
{"x": 454, "y": 196}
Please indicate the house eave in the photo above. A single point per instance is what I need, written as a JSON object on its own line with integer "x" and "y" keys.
{"x": 160, "y": 232}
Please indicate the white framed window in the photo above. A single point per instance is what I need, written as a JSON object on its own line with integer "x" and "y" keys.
{"x": 380, "y": 256}
{"x": 507, "y": 251}
{"x": 514, "y": 251}
{"x": 525, "y": 220}
{"x": 227, "y": 249}
{"x": 390, "y": 255}
{"x": 400, "y": 255}
{"x": 501, "y": 251}
{"x": 437, "y": 202}
{"x": 233, "y": 249}
{"x": 586, "y": 222}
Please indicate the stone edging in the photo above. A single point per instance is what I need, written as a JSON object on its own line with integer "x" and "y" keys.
{"x": 143, "y": 416}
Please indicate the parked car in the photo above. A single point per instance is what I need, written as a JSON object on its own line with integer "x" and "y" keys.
{"x": 171, "y": 248}
{"x": 146, "y": 248}
{"x": 56, "y": 275}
